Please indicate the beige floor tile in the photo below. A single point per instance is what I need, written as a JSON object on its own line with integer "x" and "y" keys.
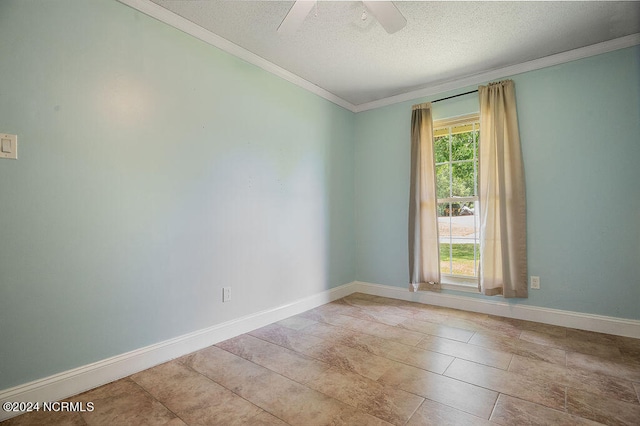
{"x": 364, "y": 296}
{"x": 387, "y": 403}
{"x": 454, "y": 393}
{"x": 461, "y": 314}
{"x": 574, "y": 377}
{"x": 284, "y": 398}
{"x": 375, "y": 306}
{"x": 274, "y": 357}
{"x": 327, "y": 314}
{"x": 117, "y": 388}
{"x": 430, "y": 315}
{"x": 501, "y": 325}
{"x": 296, "y": 322}
{"x": 294, "y": 340}
{"x": 512, "y": 411}
{"x": 349, "y": 416}
{"x": 125, "y": 402}
{"x": 629, "y": 348}
{"x": 336, "y": 307}
{"x": 194, "y": 397}
{"x": 440, "y": 330}
{"x": 404, "y": 308}
{"x": 631, "y": 356}
{"x": 554, "y": 330}
{"x": 480, "y": 325}
{"x": 604, "y": 410}
{"x": 266, "y": 419}
{"x": 384, "y": 331}
{"x": 466, "y": 351}
{"x": 573, "y": 344}
{"x": 337, "y": 334}
{"x": 450, "y": 313}
{"x": 38, "y": 418}
{"x": 539, "y": 391}
{"x": 613, "y": 367}
{"x": 384, "y": 316}
{"x": 229, "y": 370}
{"x": 519, "y": 347}
{"x": 350, "y": 359}
{"x": 417, "y": 357}
{"x": 422, "y": 358}
{"x": 433, "y": 413}
{"x": 591, "y": 336}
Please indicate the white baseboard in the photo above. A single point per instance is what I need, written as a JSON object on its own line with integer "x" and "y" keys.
{"x": 77, "y": 380}
{"x": 582, "y": 321}
{"x": 81, "y": 379}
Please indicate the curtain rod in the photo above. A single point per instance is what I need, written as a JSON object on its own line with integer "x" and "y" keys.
{"x": 454, "y": 96}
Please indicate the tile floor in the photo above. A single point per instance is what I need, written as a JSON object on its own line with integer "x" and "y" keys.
{"x": 368, "y": 360}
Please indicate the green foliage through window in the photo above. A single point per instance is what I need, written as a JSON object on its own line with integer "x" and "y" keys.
{"x": 456, "y": 156}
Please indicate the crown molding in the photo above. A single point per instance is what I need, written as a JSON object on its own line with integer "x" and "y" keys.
{"x": 500, "y": 73}
{"x": 163, "y": 15}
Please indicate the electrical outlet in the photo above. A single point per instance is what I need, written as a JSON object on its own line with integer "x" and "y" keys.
{"x": 226, "y": 294}
{"x": 535, "y": 282}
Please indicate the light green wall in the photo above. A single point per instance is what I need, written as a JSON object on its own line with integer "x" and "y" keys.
{"x": 580, "y": 131}
{"x": 153, "y": 170}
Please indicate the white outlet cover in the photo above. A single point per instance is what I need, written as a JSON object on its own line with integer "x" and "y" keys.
{"x": 226, "y": 294}
{"x": 535, "y": 282}
{"x": 8, "y": 146}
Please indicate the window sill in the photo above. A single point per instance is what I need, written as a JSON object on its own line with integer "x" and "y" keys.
{"x": 469, "y": 285}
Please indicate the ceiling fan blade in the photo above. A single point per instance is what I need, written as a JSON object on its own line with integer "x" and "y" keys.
{"x": 387, "y": 14}
{"x": 295, "y": 16}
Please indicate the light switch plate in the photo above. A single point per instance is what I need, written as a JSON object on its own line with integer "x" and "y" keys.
{"x": 8, "y": 146}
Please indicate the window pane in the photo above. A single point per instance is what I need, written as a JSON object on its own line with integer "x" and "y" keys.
{"x": 462, "y": 147}
{"x": 477, "y": 132}
{"x": 444, "y": 220}
{"x": 442, "y": 181}
{"x": 463, "y": 227}
{"x": 456, "y": 156}
{"x": 468, "y": 209}
{"x": 463, "y": 261}
{"x": 445, "y": 264}
{"x": 464, "y": 241}
{"x": 442, "y": 149}
{"x": 462, "y": 185}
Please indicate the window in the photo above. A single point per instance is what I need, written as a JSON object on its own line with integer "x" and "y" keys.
{"x": 456, "y": 151}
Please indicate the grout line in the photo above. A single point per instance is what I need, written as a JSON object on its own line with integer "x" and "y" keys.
{"x": 235, "y": 393}
{"x": 156, "y": 399}
{"x": 448, "y": 366}
{"x": 510, "y": 361}
{"x": 416, "y": 410}
{"x": 495, "y": 404}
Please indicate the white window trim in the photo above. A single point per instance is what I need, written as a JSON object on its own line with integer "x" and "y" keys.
{"x": 458, "y": 283}
{"x": 448, "y": 281}
{"x": 456, "y": 121}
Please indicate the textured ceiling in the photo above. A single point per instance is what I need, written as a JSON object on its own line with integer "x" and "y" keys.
{"x": 359, "y": 62}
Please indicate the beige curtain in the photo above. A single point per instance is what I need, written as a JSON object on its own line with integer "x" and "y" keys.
{"x": 503, "y": 229}
{"x": 424, "y": 256}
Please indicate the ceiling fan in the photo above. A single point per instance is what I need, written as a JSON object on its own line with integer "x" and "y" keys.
{"x": 385, "y": 12}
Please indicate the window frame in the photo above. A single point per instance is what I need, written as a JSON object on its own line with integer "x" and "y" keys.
{"x": 453, "y": 281}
